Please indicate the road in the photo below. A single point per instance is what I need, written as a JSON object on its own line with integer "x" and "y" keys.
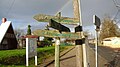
{"x": 106, "y": 56}
{"x": 110, "y": 55}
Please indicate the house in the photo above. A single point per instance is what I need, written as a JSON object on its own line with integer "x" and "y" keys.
{"x": 7, "y": 37}
{"x": 113, "y": 42}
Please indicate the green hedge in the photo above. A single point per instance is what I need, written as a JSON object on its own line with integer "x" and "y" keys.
{"x": 17, "y": 57}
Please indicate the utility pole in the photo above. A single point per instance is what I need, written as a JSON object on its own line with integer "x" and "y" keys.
{"x": 80, "y": 47}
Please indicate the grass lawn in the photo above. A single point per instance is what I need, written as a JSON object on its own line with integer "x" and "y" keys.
{"x": 16, "y": 58}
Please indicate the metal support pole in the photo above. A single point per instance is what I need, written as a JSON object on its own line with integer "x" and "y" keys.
{"x": 96, "y": 47}
{"x": 97, "y": 22}
{"x": 57, "y": 53}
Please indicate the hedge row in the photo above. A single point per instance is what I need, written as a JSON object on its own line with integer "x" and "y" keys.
{"x": 17, "y": 56}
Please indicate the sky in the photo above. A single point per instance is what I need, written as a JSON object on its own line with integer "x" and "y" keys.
{"x": 21, "y": 12}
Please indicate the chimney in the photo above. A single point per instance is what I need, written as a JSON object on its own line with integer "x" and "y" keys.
{"x": 4, "y": 20}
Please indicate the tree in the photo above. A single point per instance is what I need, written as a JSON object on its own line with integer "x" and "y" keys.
{"x": 48, "y": 40}
{"x": 29, "y": 30}
{"x": 108, "y": 29}
{"x": 19, "y": 32}
{"x": 118, "y": 31}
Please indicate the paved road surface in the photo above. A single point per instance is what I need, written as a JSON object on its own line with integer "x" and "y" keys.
{"x": 110, "y": 55}
{"x": 105, "y": 55}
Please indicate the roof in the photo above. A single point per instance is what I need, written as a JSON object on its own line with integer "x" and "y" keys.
{"x": 3, "y": 29}
{"x": 111, "y": 38}
{"x": 30, "y": 36}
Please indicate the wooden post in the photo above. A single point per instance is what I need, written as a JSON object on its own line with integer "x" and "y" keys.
{"x": 76, "y": 9}
{"x": 85, "y": 59}
{"x": 79, "y": 48}
{"x": 27, "y": 52}
{"x": 79, "y": 56}
{"x": 79, "y": 52}
{"x": 36, "y": 60}
{"x": 87, "y": 53}
{"x": 57, "y": 53}
{"x": 57, "y": 48}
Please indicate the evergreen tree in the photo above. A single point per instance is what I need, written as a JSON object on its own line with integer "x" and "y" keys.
{"x": 29, "y": 30}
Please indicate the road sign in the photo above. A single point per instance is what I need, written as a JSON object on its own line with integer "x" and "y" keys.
{"x": 46, "y": 33}
{"x": 32, "y": 45}
{"x": 31, "y": 49}
{"x": 65, "y": 20}
{"x": 55, "y": 33}
{"x": 58, "y": 26}
{"x": 71, "y": 35}
{"x": 96, "y": 21}
{"x": 78, "y": 28}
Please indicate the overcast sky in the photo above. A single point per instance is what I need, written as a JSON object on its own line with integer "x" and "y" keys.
{"x": 21, "y": 12}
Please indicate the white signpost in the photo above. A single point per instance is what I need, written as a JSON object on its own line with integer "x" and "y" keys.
{"x": 97, "y": 22}
{"x": 31, "y": 49}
